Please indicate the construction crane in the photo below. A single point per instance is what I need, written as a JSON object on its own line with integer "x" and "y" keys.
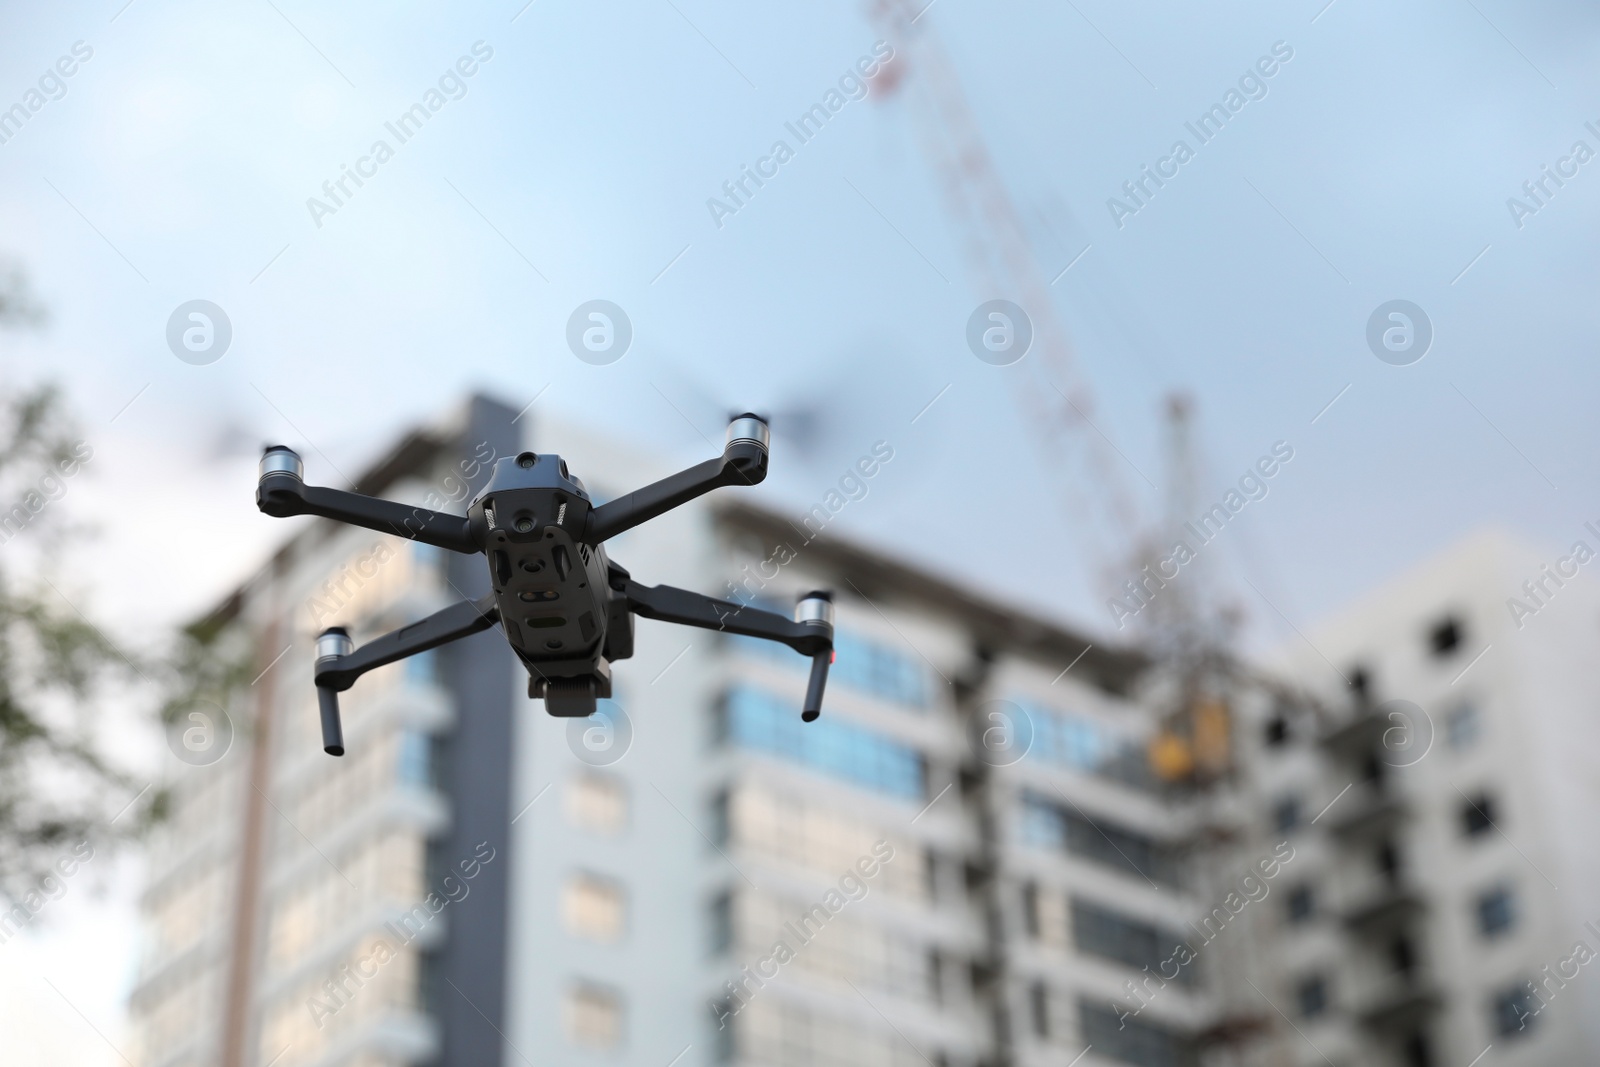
{"x": 1050, "y": 389}
{"x": 1181, "y": 626}
{"x": 1196, "y": 678}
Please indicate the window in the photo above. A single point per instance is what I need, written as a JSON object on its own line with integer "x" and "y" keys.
{"x": 722, "y": 1044}
{"x": 879, "y": 670}
{"x": 720, "y": 826}
{"x": 1374, "y": 770}
{"x": 598, "y": 803}
{"x": 1069, "y": 740}
{"x": 1039, "y": 1003}
{"x": 1387, "y": 860}
{"x": 416, "y": 758}
{"x": 721, "y": 924}
{"x": 792, "y": 830}
{"x": 1497, "y": 911}
{"x": 771, "y": 1030}
{"x": 593, "y": 1016}
{"x": 858, "y": 662}
{"x": 1403, "y": 954}
{"x": 841, "y": 948}
{"x": 1286, "y": 814}
{"x": 1100, "y": 931}
{"x": 593, "y": 908}
{"x": 423, "y": 668}
{"x": 1445, "y": 637}
{"x": 1132, "y": 1040}
{"x": 1277, "y": 731}
{"x": 1047, "y": 824}
{"x": 761, "y": 721}
{"x": 1030, "y": 908}
{"x": 931, "y": 865}
{"x": 1477, "y": 815}
{"x": 1514, "y": 1009}
{"x": 1043, "y": 823}
{"x": 1301, "y": 904}
{"x": 1311, "y": 996}
{"x": 1462, "y": 726}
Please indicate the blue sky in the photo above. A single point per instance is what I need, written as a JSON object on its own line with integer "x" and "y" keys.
{"x": 578, "y": 165}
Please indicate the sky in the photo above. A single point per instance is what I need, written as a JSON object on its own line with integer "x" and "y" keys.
{"x": 577, "y": 161}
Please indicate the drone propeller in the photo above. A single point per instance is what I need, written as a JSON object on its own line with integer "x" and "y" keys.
{"x": 805, "y": 422}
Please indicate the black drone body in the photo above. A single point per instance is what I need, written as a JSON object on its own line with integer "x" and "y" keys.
{"x": 566, "y": 609}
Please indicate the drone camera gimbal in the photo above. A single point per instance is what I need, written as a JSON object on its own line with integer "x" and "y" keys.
{"x": 566, "y": 609}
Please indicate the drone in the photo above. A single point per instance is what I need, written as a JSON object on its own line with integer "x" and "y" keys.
{"x": 567, "y": 610}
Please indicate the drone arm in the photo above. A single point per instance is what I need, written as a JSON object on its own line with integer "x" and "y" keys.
{"x": 282, "y": 491}
{"x": 743, "y": 462}
{"x": 340, "y": 663}
{"x": 460, "y": 620}
{"x": 810, "y": 635}
{"x": 666, "y": 603}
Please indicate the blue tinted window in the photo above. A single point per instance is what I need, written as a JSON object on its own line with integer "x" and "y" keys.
{"x": 1311, "y": 994}
{"x": 1067, "y": 739}
{"x": 1462, "y": 725}
{"x": 422, "y": 669}
{"x": 1515, "y": 1008}
{"x": 758, "y": 720}
{"x": 1078, "y": 741}
{"x": 416, "y": 758}
{"x": 427, "y": 558}
{"x": 879, "y": 670}
{"x": 1497, "y": 911}
{"x": 1043, "y": 823}
{"x": 1106, "y": 932}
{"x": 1115, "y": 1034}
{"x": 1286, "y": 814}
{"x": 1302, "y": 903}
{"x": 1049, "y": 825}
{"x": 858, "y": 663}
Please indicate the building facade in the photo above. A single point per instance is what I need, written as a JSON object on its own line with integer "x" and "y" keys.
{"x": 1441, "y": 801}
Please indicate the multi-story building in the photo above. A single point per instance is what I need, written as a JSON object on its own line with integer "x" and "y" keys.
{"x": 1444, "y": 902}
{"x": 988, "y": 851}
{"x": 307, "y": 910}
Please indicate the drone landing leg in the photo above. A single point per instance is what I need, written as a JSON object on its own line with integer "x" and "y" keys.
{"x": 340, "y": 663}
{"x": 810, "y": 635}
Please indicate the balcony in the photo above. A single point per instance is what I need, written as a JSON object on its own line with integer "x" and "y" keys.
{"x": 1358, "y": 736}
{"x": 1393, "y": 908}
{"x": 1234, "y": 1028}
{"x": 1400, "y": 1003}
{"x": 1371, "y": 811}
